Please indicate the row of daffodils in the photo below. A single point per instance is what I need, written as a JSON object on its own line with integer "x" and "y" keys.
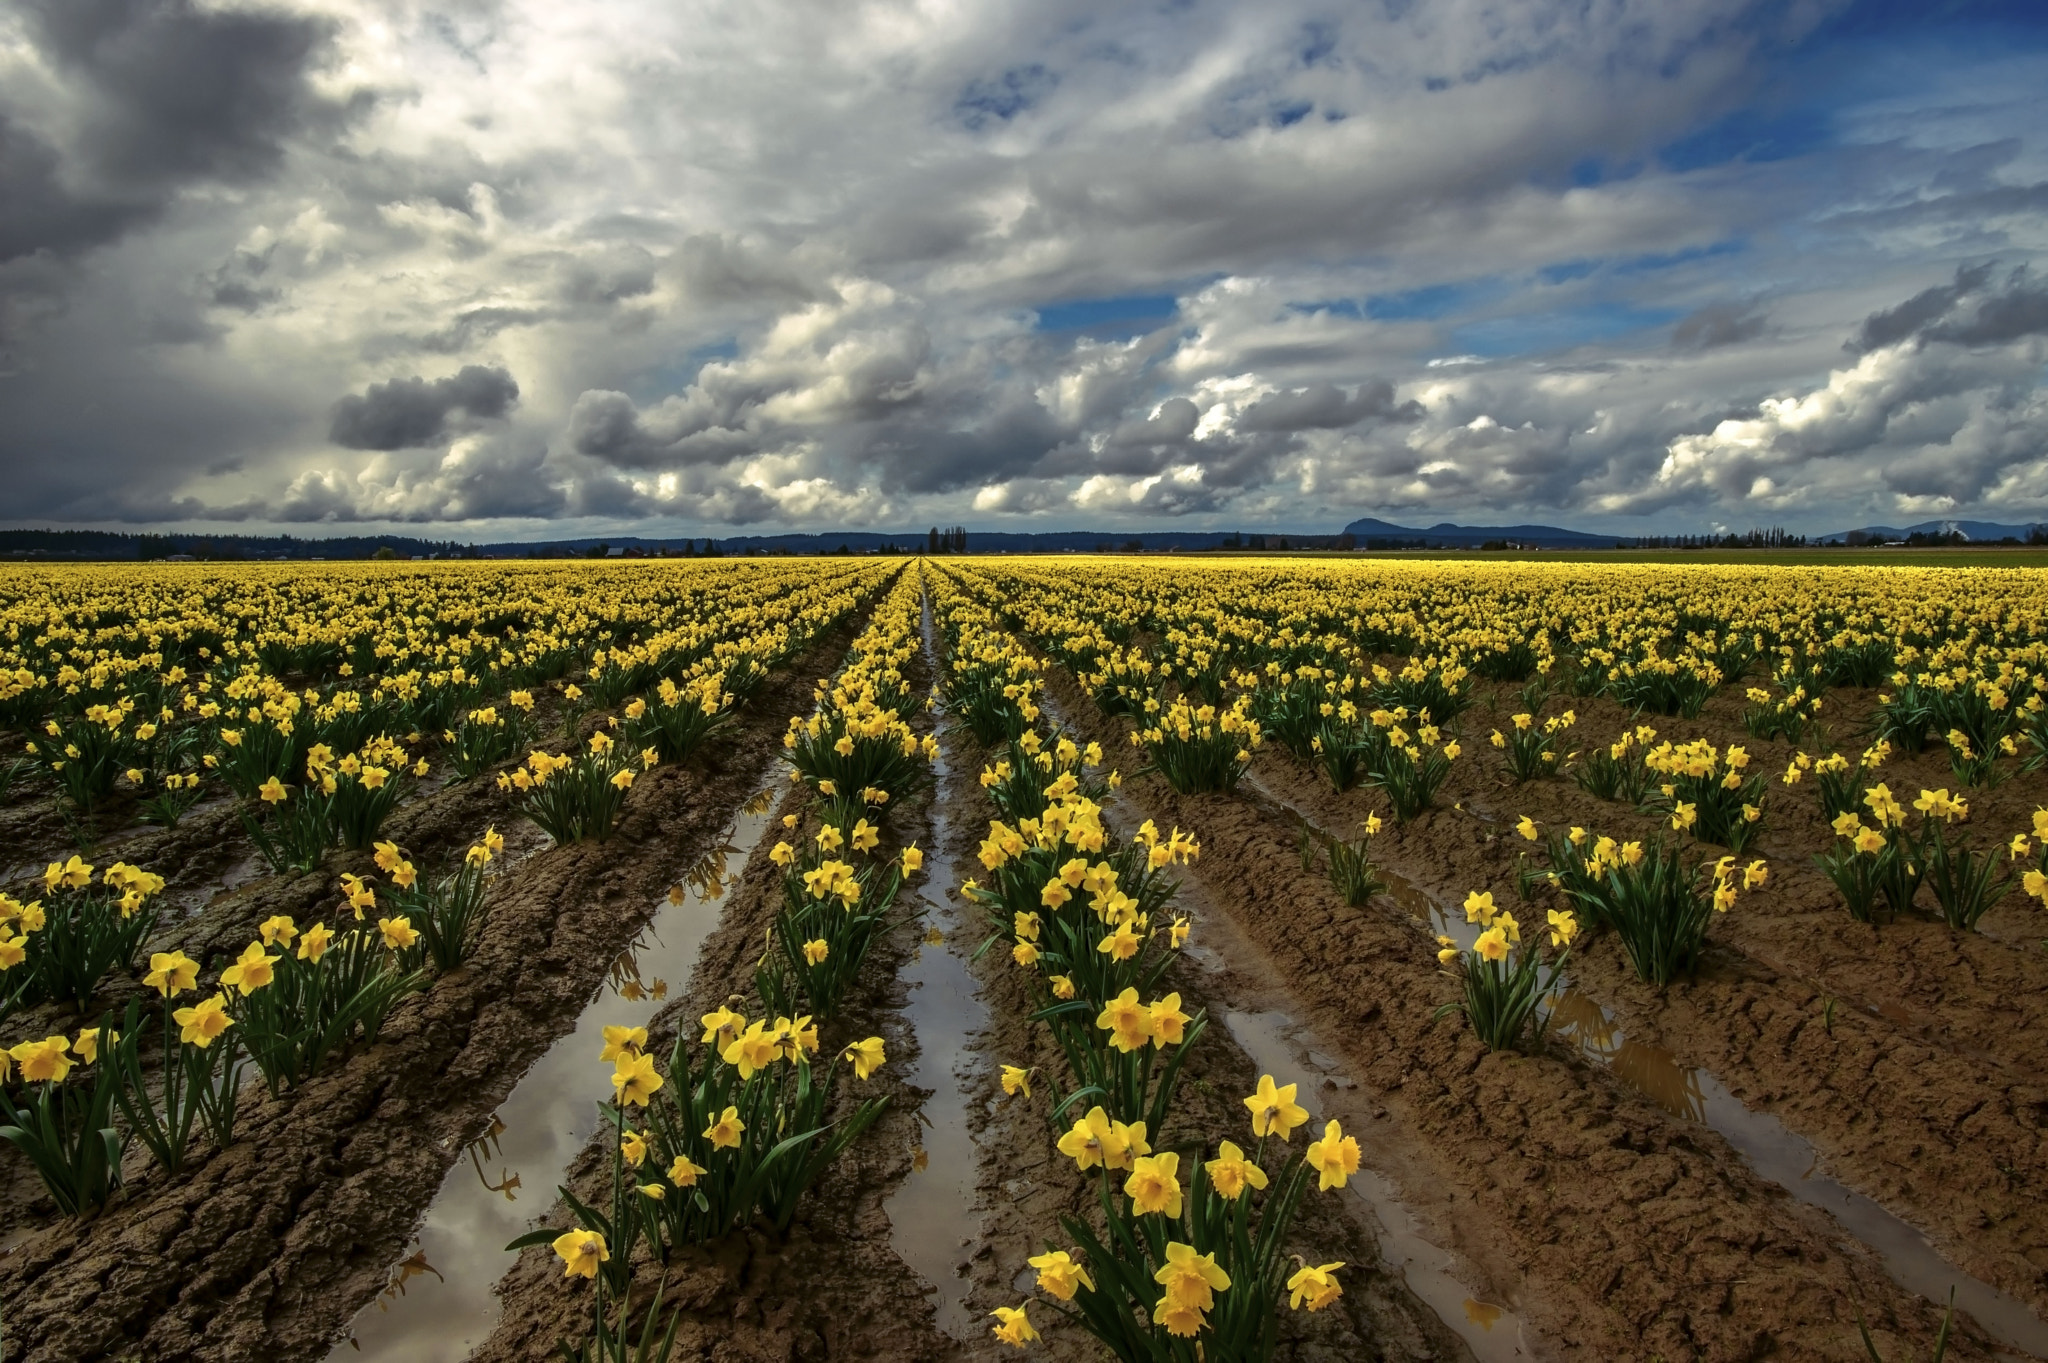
{"x": 318, "y": 695}
{"x": 1174, "y": 1262}
{"x": 733, "y": 1121}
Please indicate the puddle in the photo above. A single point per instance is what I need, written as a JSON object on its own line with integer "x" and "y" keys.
{"x": 1650, "y": 1070}
{"x": 1280, "y": 1048}
{"x": 1771, "y": 1149}
{"x": 1786, "y": 1159}
{"x": 439, "y": 1304}
{"x": 933, "y": 1224}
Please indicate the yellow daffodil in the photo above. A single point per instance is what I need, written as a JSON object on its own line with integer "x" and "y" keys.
{"x": 1191, "y": 1280}
{"x": 171, "y": 973}
{"x": 582, "y": 1252}
{"x": 725, "y": 1133}
{"x": 204, "y": 1021}
{"x": 866, "y": 1057}
{"x": 313, "y": 942}
{"x": 1335, "y": 1157}
{"x": 1013, "y": 1325}
{"x": 1128, "y": 1021}
{"x": 1059, "y": 1276}
{"x": 1315, "y": 1285}
{"x": 1274, "y": 1111}
{"x": 251, "y": 971}
{"x": 1230, "y": 1173}
{"x": 720, "y": 1027}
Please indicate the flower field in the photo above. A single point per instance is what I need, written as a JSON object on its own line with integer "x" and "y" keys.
{"x": 1349, "y": 959}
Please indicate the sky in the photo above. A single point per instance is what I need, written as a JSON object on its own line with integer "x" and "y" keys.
{"x": 495, "y": 269}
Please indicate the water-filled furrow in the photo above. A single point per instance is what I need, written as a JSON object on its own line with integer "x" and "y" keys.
{"x": 1279, "y": 1046}
{"x": 934, "y": 1221}
{"x": 439, "y": 1304}
{"x": 1772, "y": 1150}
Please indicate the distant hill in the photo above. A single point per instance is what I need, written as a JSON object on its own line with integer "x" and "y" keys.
{"x": 1446, "y": 535}
{"x": 1974, "y": 531}
{"x": 104, "y": 545}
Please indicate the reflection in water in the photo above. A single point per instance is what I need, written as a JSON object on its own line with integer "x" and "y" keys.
{"x": 540, "y": 1128}
{"x": 1482, "y": 1313}
{"x": 490, "y": 1146}
{"x": 933, "y": 1220}
{"x": 413, "y": 1266}
{"x": 1650, "y": 1070}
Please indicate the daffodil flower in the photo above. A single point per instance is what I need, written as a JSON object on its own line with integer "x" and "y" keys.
{"x": 1274, "y": 1111}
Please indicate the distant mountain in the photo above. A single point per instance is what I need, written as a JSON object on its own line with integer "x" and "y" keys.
{"x": 1969, "y": 530}
{"x": 1445, "y": 535}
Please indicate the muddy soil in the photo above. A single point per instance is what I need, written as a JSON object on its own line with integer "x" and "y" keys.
{"x": 1901, "y": 1051}
{"x": 1618, "y": 1231}
{"x": 267, "y": 1249}
{"x": 833, "y": 1288}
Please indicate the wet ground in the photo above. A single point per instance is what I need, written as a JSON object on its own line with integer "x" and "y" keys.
{"x": 1830, "y": 1119}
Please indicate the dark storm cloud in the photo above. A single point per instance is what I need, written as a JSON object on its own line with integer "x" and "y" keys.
{"x": 159, "y": 94}
{"x": 37, "y": 211}
{"x": 412, "y": 413}
{"x": 1893, "y": 325}
{"x": 1325, "y": 407}
{"x": 675, "y": 433}
{"x": 1976, "y": 309}
{"x": 2019, "y": 308}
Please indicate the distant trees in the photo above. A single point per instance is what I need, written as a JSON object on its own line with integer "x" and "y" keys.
{"x": 952, "y": 540}
{"x": 1777, "y": 537}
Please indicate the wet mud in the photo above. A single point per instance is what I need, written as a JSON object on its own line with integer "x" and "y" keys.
{"x": 267, "y": 1249}
{"x": 1923, "y": 1101}
{"x": 1614, "y": 1229}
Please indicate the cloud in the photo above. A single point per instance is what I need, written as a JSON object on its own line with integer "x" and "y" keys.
{"x": 1325, "y": 407}
{"x": 141, "y": 99}
{"x": 1719, "y": 324}
{"x": 751, "y": 269}
{"x": 406, "y": 413}
{"x": 1935, "y": 416}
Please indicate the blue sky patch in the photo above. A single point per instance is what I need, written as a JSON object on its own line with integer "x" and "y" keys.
{"x": 1129, "y": 315}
